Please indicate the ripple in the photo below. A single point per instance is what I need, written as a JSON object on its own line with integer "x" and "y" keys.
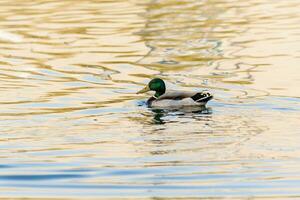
{"x": 39, "y": 177}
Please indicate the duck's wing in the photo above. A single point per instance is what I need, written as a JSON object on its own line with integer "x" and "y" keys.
{"x": 176, "y": 95}
{"x": 179, "y": 95}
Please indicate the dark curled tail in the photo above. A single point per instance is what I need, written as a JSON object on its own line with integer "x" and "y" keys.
{"x": 202, "y": 97}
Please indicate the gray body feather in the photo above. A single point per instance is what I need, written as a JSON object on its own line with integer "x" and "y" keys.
{"x": 174, "y": 98}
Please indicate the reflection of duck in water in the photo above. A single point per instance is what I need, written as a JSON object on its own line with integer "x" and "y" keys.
{"x": 171, "y": 98}
{"x": 200, "y": 113}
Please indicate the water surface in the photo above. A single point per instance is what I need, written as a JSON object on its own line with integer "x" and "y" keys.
{"x": 73, "y": 127}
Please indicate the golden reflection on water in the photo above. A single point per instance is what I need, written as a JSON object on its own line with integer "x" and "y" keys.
{"x": 72, "y": 123}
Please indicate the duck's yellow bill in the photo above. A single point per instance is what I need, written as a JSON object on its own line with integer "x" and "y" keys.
{"x": 145, "y": 89}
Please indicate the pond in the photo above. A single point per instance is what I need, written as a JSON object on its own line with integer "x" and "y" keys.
{"x": 72, "y": 125}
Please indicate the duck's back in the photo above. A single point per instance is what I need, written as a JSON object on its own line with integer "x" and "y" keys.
{"x": 176, "y": 95}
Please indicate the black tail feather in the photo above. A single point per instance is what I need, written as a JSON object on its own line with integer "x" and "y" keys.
{"x": 202, "y": 97}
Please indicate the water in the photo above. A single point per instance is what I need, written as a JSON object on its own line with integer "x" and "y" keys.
{"x": 73, "y": 127}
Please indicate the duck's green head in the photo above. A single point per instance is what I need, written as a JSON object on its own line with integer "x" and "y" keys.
{"x": 157, "y": 85}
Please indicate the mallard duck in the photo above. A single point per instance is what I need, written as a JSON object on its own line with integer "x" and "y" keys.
{"x": 172, "y": 98}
